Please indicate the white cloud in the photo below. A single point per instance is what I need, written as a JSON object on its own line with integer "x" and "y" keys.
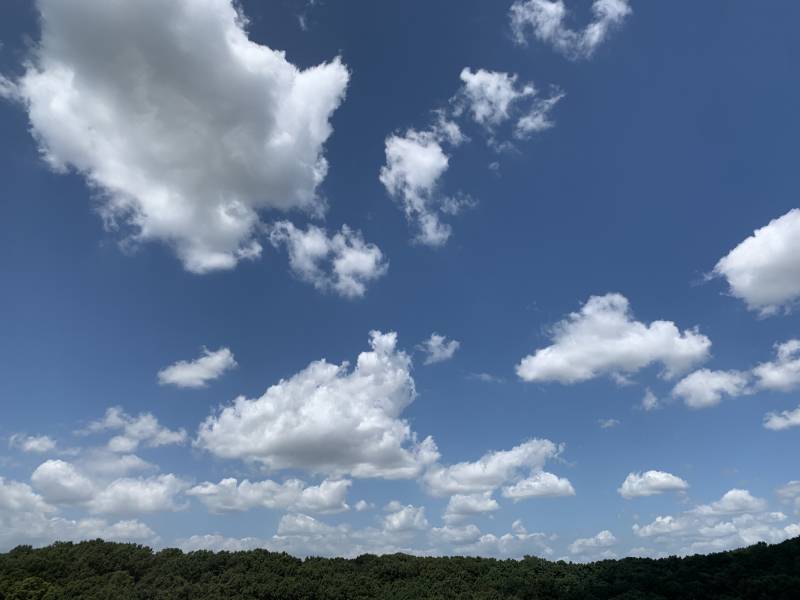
{"x": 545, "y": 18}
{"x": 705, "y": 388}
{"x": 343, "y": 263}
{"x": 461, "y": 506}
{"x": 539, "y": 485}
{"x": 492, "y": 470}
{"x": 330, "y": 419}
{"x": 493, "y": 97}
{"x": 128, "y": 495}
{"x": 60, "y": 482}
{"x": 231, "y": 495}
{"x": 38, "y": 444}
{"x": 363, "y": 505}
{"x": 415, "y": 162}
{"x": 26, "y": 518}
{"x": 650, "y": 401}
{"x": 514, "y": 544}
{"x": 651, "y": 483}
{"x": 608, "y": 423}
{"x": 185, "y": 127}
{"x": 782, "y": 374}
{"x": 405, "y": 518}
{"x": 782, "y": 420}
{"x": 197, "y": 373}
{"x": 790, "y": 493}
{"x": 737, "y": 519}
{"x": 465, "y": 534}
{"x": 439, "y": 348}
{"x": 764, "y": 270}
{"x": 604, "y": 539}
{"x": 144, "y": 429}
{"x": 603, "y": 338}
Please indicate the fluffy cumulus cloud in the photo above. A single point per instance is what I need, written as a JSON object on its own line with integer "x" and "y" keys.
{"x": 37, "y": 444}
{"x": 782, "y": 374}
{"x": 539, "y": 485}
{"x": 462, "y": 506}
{"x": 545, "y": 19}
{"x": 604, "y": 338}
{"x": 438, "y": 348}
{"x": 604, "y": 539}
{"x": 492, "y": 98}
{"x": 329, "y": 418}
{"x": 651, "y": 483}
{"x": 184, "y": 127}
{"x": 143, "y": 429}
{"x": 778, "y": 421}
{"x": 26, "y": 518}
{"x": 705, "y": 388}
{"x": 404, "y": 518}
{"x": 342, "y": 263}
{"x": 764, "y": 270}
{"x": 230, "y": 495}
{"x": 514, "y": 544}
{"x": 735, "y": 520}
{"x": 492, "y": 470}
{"x": 197, "y": 373}
{"x": 60, "y": 482}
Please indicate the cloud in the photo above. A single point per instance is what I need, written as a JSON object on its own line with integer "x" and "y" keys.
{"x": 493, "y": 98}
{"x": 144, "y": 429}
{"x": 229, "y": 495}
{"x": 603, "y": 338}
{"x": 514, "y": 544}
{"x": 492, "y": 470}
{"x": 343, "y": 263}
{"x": 539, "y": 485}
{"x": 737, "y": 519}
{"x": 26, "y": 518}
{"x": 782, "y": 374}
{"x": 60, "y": 482}
{"x": 604, "y": 539}
{"x": 439, "y": 348}
{"x": 790, "y": 493}
{"x": 197, "y": 373}
{"x": 405, "y": 518}
{"x": 38, "y": 444}
{"x": 128, "y": 496}
{"x": 185, "y": 128}
{"x": 783, "y": 420}
{"x": 461, "y": 506}
{"x": 465, "y": 534}
{"x": 764, "y": 270}
{"x": 650, "y": 401}
{"x": 651, "y": 483}
{"x": 705, "y": 388}
{"x": 545, "y": 19}
{"x": 329, "y": 419}
{"x": 607, "y": 423}
{"x": 415, "y": 161}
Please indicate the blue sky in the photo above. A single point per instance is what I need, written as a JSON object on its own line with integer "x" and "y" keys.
{"x": 591, "y": 204}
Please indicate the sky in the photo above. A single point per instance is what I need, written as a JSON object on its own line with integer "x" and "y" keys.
{"x": 488, "y": 278}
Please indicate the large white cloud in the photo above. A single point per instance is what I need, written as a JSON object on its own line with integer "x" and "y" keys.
{"x": 404, "y": 518}
{"x": 490, "y": 471}
{"x": 186, "y": 128}
{"x": 545, "y": 18}
{"x": 197, "y": 373}
{"x": 461, "y": 506}
{"x": 231, "y": 495}
{"x": 142, "y": 429}
{"x": 603, "y": 338}
{"x": 539, "y": 485}
{"x": 651, "y": 483}
{"x": 764, "y": 270}
{"x": 705, "y": 388}
{"x": 330, "y": 419}
{"x": 343, "y": 263}
{"x": 60, "y": 482}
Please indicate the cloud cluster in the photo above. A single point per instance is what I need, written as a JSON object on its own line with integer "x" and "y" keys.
{"x": 329, "y": 419}
{"x": 705, "y": 388}
{"x": 651, "y": 483}
{"x": 545, "y": 19}
{"x": 37, "y": 444}
{"x": 603, "y": 338}
{"x": 764, "y": 270}
{"x": 604, "y": 539}
{"x": 342, "y": 263}
{"x": 143, "y": 429}
{"x": 230, "y": 495}
{"x": 186, "y": 128}
{"x": 197, "y": 373}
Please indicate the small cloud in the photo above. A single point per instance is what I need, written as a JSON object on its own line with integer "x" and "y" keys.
{"x": 607, "y": 423}
{"x": 439, "y": 348}
{"x": 197, "y": 373}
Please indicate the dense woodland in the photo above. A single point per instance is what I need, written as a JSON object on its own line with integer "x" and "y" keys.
{"x": 100, "y": 569}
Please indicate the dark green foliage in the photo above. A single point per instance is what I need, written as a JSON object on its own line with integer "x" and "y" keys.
{"x": 101, "y": 570}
